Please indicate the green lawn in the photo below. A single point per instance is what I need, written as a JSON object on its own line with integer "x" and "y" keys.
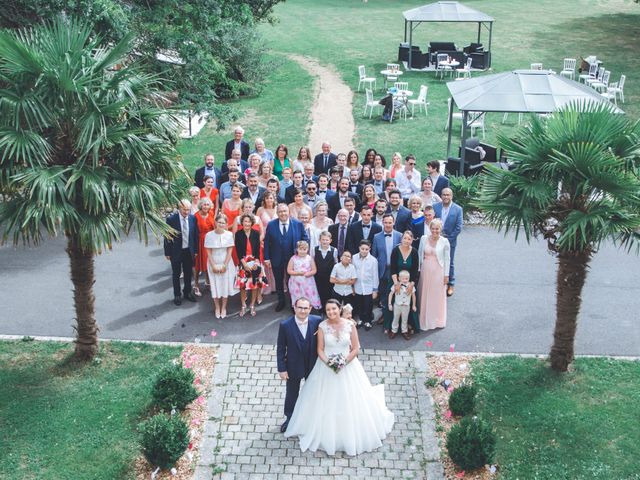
{"x": 347, "y": 33}
{"x": 61, "y": 421}
{"x": 580, "y": 425}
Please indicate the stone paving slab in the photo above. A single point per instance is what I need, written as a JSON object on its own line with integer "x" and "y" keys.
{"x": 244, "y": 440}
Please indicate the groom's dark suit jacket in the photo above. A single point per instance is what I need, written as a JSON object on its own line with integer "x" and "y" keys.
{"x": 297, "y": 355}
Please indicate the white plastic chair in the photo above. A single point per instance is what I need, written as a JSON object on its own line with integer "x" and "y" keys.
{"x": 371, "y": 81}
{"x": 536, "y": 66}
{"x": 593, "y": 70}
{"x": 401, "y": 85}
{"x": 454, "y": 115}
{"x": 477, "y": 121}
{"x": 465, "y": 71}
{"x": 420, "y": 101}
{"x": 603, "y": 84}
{"x": 598, "y": 77}
{"x": 618, "y": 87}
{"x": 391, "y": 78}
{"x": 569, "y": 68}
{"x": 440, "y": 67}
{"x": 370, "y": 102}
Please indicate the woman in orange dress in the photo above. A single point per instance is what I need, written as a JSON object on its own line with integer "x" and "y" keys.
{"x": 210, "y": 192}
{"x": 232, "y": 206}
{"x": 206, "y": 223}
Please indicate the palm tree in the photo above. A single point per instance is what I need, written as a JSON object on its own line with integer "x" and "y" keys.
{"x": 86, "y": 149}
{"x": 575, "y": 182}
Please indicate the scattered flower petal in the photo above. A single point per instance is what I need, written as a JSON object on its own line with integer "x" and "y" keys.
{"x": 460, "y": 474}
{"x": 492, "y": 469}
{"x": 429, "y": 343}
{"x": 200, "y": 400}
{"x": 187, "y": 364}
{"x": 447, "y": 414}
{"x": 190, "y": 445}
{"x": 197, "y": 340}
{"x": 450, "y": 388}
{"x": 203, "y": 373}
{"x": 452, "y": 347}
{"x": 174, "y": 472}
{"x": 213, "y": 333}
{"x": 197, "y": 381}
{"x": 173, "y": 412}
{"x": 462, "y": 366}
{"x": 189, "y": 456}
{"x": 195, "y": 421}
{"x": 440, "y": 373}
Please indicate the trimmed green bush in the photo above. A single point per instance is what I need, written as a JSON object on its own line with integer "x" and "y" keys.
{"x": 164, "y": 439}
{"x": 471, "y": 443}
{"x": 463, "y": 400}
{"x": 174, "y": 388}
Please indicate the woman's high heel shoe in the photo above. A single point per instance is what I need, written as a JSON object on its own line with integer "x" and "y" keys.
{"x": 243, "y": 310}
{"x": 253, "y": 311}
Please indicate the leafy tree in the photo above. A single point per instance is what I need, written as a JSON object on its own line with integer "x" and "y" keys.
{"x": 216, "y": 50}
{"x": 86, "y": 150}
{"x": 576, "y": 183}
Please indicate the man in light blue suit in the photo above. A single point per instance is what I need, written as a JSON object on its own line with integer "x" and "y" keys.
{"x": 280, "y": 240}
{"x": 383, "y": 243}
{"x": 451, "y": 215}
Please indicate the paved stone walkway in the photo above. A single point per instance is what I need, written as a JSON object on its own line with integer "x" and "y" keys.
{"x": 242, "y": 438}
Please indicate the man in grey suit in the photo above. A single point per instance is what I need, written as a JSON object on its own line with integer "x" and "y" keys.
{"x": 451, "y": 215}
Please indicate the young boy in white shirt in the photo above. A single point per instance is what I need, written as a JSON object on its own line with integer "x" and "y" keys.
{"x": 343, "y": 276}
{"x": 366, "y": 286}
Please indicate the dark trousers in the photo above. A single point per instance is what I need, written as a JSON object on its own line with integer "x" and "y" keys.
{"x": 293, "y": 390}
{"x": 181, "y": 263}
{"x": 364, "y": 305}
{"x": 325, "y": 289}
{"x": 452, "y": 276}
{"x": 278, "y": 275}
{"x": 344, "y": 299}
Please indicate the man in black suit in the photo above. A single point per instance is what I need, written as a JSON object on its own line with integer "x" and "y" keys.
{"x": 253, "y": 191}
{"x": 378, "y": 180}
{"x": 208, "y": 169}
{"x": 241, "y": 164}
{"x": 237, "y": 143}
{"x": 340, "y": 232}
{"x": 181, "y": 248}
{"x": 350, "y": 206}
{"x": 401, "y": 214}
{"x": 323, "y": 187}
{"x": 336, "y": 202}
{"x": 354, "y": 183}
{"x": 364, "y": 229}
{"x": 233, "y": 164}
{"x": 323, "y": 162}
{"x": 290, "y": 192}
{"x": 272, "y": 186}
{"x": 439, "y": 182}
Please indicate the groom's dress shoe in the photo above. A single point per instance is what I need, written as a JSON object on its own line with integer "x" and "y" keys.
{"x": 283, "y": 427}
{"x": 449, "y": 290}
{"x": 279, "y": 308}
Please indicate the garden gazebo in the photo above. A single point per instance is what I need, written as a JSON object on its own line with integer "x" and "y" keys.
{"x": 445, "y": 12}
{"x": 519, "y": 91}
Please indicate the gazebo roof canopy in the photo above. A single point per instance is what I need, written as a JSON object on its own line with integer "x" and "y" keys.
{"x": 445, "y": 12}
{"x": 536, "y": 91}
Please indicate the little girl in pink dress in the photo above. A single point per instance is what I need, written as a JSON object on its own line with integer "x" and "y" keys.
{"x": 301, "y": 270}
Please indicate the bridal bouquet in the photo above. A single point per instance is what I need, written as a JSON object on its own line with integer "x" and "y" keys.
{"x": 336, "y": 362}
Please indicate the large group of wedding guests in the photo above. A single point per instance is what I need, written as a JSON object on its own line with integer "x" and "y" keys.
{"x": 362, "y": 230}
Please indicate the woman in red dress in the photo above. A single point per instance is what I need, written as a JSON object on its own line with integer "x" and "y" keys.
{"x": 206, "y": 223}
{"x": 211, "y": 192}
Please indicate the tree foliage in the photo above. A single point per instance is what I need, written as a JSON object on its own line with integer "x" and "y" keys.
{"x": 220, "y": 53}
{"x": 87, "y": 149}
{"x": 576, "y": 183}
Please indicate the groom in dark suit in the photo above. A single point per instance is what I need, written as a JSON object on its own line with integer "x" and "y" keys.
{"x": 297, "y": 352}
{"x": 280, "y": 239}
{"x": 181, "y": 249}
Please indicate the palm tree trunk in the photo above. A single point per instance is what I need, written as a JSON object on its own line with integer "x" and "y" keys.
{"x": 82, "y": 277}
{"x": 572, "y": 273}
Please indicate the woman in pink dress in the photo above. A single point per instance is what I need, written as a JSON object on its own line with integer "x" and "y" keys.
{"x": 301, "y": 270}
{"x": 433, "y": 255}
{"x": 266, "y": 213}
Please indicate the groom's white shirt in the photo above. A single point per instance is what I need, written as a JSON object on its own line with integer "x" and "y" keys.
{"x": 302, "y": 326}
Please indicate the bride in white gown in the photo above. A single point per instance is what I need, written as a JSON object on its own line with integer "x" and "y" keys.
{"x": 339, "y": 411}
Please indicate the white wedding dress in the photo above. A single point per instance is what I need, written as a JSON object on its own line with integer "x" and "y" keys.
{"x": 340, "y": 411}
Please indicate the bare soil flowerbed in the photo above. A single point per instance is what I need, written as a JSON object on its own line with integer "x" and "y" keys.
{"x": 201, "y": 359}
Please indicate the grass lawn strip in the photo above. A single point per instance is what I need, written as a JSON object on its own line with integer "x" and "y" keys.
{"x": 582, "y": 424}
{"x": 67, "y": 421}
